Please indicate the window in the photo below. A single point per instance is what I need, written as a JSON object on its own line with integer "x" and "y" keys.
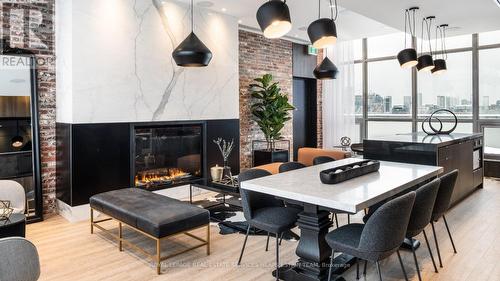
{"x": 489, "y": 83}
{"x": 489, "y": 38}
{"x": 386, "y": 45}
{"x": 384, "y": 128}
{"x": 451, "y": 90}
{"x": 389, "y": 89}
{"x": 358, "y": 49}
{"x": 358, "y": 90}
{"x": 455, "y": 42}
{"x": 465, "y": 128}
{"x": 492, "y": 137}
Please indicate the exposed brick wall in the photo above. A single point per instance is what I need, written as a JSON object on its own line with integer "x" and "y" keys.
{"x": 319, "y": 117}
{"x": 258, "y": 56}
{"x": 30, "y": 25}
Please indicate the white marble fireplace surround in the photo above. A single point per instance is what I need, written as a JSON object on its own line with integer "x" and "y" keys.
{"x": 114, "y": 62}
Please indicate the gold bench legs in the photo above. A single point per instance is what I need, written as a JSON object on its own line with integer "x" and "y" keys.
{"x": 158, "y": 258}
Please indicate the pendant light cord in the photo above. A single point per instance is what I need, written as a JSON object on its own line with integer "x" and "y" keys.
{"x": 192, "y": 16}
{"x": 443, "y": 42}
{"x": 334, "y": 18}
{"x": 428, "y": 23}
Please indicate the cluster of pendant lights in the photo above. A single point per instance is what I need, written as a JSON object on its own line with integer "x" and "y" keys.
{"x": 425, "y": 62}
{"x": 274, "y": 21}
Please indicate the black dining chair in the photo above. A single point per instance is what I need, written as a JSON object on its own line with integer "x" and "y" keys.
{"x": 379, "y": 238}
{"x": 421, "y": 216}
{"x": 290, "y": 166}
{"x": 322, "y": 160}
{"x": 265, "y": 212}
{"x": 442, "y": 204}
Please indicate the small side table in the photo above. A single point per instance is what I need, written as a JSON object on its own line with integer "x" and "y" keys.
{"x": 14, "y": 226}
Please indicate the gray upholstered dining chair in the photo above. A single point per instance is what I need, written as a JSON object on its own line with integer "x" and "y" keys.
{"x": 13, "y": 192}
{"x": 18, "y": 260}
{"x": 322, "y": 160}
{"x": 379, "y": 238}
{"x": 290, "y": 166}
{"x": 442, "y": 204}
{"x": 265, "y": 212}
{"x": 421, "y": 217}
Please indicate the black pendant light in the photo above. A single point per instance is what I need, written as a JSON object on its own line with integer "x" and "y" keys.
{"x": 274, "y": 18}
{"x": 326, "y": 70}
{"x": 425, "y": 62}
{"x": 192, "y": 52}
{"x": 440, "y": 63}
{"x": 323, "y": 31}
{"x": 408, "y": 57}
{"x": 17, "y": 141}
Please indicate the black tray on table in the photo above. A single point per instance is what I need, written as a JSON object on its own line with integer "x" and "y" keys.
{"x": 349, "y": 171}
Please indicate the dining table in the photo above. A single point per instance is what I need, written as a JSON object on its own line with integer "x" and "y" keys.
{"x": 319, "y": 200}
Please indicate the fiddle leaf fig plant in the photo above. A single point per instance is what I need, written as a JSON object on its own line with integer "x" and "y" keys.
{"x": 270, "y": 109}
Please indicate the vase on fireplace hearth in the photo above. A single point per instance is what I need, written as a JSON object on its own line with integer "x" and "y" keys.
{"x": 227, "y": 175}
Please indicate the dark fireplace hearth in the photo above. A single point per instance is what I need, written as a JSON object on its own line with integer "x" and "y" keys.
{"x": 167, "y": 155}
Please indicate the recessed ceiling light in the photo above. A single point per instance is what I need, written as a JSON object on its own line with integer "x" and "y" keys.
{"x": 205, "y": 4}
{"x": 240, "y": 21}
{"x": 223, "y": 10}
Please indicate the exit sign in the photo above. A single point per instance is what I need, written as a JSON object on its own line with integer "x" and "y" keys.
{"x": 312, "y": 51}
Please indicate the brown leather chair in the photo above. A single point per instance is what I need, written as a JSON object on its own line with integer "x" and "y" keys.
{"x": 306, "y": 155}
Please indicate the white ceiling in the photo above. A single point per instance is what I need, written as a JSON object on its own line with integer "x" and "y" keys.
{"x": 365, "y": 18}
{"x": 463, "y": 16}
{"x": 350, "y": 25}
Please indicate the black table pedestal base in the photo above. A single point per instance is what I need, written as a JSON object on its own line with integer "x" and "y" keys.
{"x": 294, "y": 273}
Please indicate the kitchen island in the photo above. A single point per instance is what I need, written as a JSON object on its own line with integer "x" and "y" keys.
{"x": 455, "y": 151}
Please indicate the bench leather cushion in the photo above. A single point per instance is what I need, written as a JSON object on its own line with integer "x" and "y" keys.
{"x": 152, "y": 213}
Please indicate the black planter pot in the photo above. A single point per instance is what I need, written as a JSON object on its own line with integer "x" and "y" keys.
{"x": 264, "y": 156}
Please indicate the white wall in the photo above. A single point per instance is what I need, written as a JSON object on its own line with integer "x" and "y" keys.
{"x": 114, "y": 63}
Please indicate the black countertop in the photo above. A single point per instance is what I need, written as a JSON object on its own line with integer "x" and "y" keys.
{"x": 423, "y": 138}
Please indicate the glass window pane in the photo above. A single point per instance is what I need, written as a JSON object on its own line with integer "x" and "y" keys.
{"x": 451, "y": 90}
{"x": 492, "y": 137}
{"x": 358, "y": 90}
{"x": 489, "y": 83}
{"x": 358, "y": 49}
{"x": 465, "y": 128}
{"x": 386, "y": 128}
{"x": 389, "y": 89}
{"x": 386, "y": 45}
{"x": 455, "y": 42}
{"x": 489, "y": 38}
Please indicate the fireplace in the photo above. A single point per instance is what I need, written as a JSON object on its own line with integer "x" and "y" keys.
{"x": 167, "y": 155}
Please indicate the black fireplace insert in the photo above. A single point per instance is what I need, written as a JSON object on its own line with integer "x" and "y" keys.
{"x": 167, "y": 155}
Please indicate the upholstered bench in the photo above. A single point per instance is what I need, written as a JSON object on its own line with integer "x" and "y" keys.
{"x": 156, "y": 216}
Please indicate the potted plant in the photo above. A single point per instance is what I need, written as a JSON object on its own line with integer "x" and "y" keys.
{"x": 271, "y": 111}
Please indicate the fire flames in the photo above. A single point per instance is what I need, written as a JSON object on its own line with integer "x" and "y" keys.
{"x": 159, "y": 176}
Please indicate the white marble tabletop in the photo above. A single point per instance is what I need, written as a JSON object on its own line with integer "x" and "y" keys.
{"x": 351, "y": 196}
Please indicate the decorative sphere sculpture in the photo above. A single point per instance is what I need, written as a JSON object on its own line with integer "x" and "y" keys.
{"x": 345, "y": 141}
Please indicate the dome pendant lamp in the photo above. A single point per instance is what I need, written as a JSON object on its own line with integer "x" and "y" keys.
{"x": 326, "y": 70}
{"x": 323, "y": 31}
{"x": 192, "y": 52}
{"x": 274, "y": 19}
{"x": 17, "y": 141}
{"x": 440, "y": 63}
{"x": 408, "y": 57}
{"x": 425, "y": 62}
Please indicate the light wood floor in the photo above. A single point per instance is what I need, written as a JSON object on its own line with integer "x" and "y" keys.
{"x": 69, "y": 252}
